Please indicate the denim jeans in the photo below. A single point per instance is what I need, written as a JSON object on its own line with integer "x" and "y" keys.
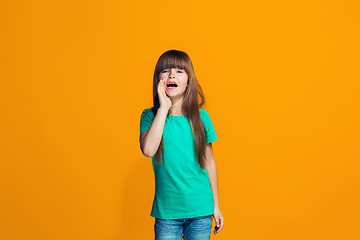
{"x": 197, "y": 228}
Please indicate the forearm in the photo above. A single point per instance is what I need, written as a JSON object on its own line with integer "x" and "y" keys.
{"x": 213, "y": 179}
{"x": 151, "y": 141}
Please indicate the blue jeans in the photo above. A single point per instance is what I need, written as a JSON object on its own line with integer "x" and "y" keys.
{"x": 197, "y": 228}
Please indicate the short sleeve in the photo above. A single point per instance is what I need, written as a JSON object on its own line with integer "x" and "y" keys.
{"x": 146, "y": 120}
{"x": 210, "y": 131}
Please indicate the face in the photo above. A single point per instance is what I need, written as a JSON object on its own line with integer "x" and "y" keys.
{"x": 176, "y": 81}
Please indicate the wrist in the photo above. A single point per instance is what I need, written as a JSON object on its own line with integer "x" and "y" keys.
{"x": 163, "y": 110}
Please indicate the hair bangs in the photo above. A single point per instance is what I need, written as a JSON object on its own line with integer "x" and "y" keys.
{"x": 173, "y": 59}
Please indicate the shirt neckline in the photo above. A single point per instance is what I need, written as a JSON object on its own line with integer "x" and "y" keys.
{"x": 177, "y": 116}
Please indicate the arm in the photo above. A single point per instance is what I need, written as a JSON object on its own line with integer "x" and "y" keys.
{"x": 211, "y": 170}
{"x": 150, "y": 140}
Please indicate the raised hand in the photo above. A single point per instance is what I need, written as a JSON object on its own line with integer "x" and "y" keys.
{"x": 164, "y": 100}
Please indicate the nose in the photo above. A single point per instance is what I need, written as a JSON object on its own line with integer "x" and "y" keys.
{"x": 172, "y": 75}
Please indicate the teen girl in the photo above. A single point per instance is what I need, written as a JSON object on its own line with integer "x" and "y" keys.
{"x": 177, "y": 135}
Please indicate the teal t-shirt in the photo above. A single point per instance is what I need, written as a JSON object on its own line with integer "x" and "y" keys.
{"x": 182, "y": 187}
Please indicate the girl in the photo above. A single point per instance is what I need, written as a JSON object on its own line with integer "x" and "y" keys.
{"x": 177, "y": 135}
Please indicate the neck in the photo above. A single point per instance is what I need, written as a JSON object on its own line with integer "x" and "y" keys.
{"x": 176, "y": 108}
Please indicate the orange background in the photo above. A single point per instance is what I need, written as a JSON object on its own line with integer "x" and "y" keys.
{"x": 281, "y": 80}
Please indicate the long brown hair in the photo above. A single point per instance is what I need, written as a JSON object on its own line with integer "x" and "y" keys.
{"x": 191, "y": 105}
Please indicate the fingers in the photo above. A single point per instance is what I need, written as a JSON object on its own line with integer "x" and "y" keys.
{"x": 164, "y": 100}
{"x": 217, "y": 221}
{"x": 161, "y": 87}
{"x": 219, "y": 224}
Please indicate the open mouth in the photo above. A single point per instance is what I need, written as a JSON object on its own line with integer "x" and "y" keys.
{"x": 172, "y": 85}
